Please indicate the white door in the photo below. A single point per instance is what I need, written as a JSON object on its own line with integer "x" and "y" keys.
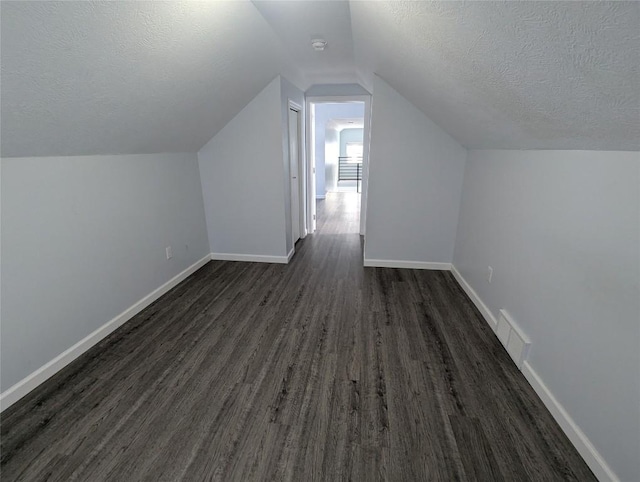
{"x": 294, "y": 170}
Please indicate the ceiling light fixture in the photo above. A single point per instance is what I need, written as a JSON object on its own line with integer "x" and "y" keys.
{"x": 318, "y": 44}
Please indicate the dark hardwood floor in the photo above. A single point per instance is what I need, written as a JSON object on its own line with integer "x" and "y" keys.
{"x": 316, "y": 370}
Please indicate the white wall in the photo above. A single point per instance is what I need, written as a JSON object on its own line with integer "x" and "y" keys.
{"x": 336, "y": 89}
{"x": 331, "y": 154}
{"x": 243, "y": 180}
{"x": 561, "y": 230}
{"x": 83, "y": 238}
{"x": 415, "y": 181}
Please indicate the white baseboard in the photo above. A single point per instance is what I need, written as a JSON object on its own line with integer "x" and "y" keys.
{"x": 580, "y": 441}
{"x": 471, "y": 293}
{"x": 24, "y": 386}
{"x": 390, "y": 263}
{"x": 254, "y": 258}
{"x": 290, "y": 255}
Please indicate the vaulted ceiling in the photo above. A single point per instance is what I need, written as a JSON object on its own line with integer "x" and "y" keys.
{"x": 128, "y": 77}
{"x": 522, "y": 75}
{"x": 142, "y": 77}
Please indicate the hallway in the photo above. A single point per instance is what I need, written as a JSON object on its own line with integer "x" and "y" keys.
{"x": 339, "y": 213}
{"x": 316, "y": 370}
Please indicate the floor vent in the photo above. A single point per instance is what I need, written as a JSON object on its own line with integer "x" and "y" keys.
{"x": 510, "y": 335}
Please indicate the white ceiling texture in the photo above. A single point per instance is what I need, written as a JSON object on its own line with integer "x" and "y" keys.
{"x": 143, "y": 77}
{"x": 128, "y": 77}
{"x": 521, "y": 74}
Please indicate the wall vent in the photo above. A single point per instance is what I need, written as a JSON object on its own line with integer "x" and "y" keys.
{"x": 512, "y": 338}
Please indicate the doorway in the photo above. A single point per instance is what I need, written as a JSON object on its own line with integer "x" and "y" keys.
{"x": 337, "y": 155}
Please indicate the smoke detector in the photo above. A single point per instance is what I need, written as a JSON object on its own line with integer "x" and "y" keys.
{"x": 318, "y": 44}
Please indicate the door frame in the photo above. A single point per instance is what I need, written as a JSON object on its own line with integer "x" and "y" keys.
{"x": 311, "y": 161}
{"x": 302, "y": 208}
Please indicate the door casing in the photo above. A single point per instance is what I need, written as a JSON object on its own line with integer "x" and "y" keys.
{"x": 310, "y": 168}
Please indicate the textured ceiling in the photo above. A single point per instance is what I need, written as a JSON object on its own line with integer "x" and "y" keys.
{"x": 128, "y": 77}
{"x": 297, "y": 22}
{"x": 140, "y": 77}
{"x": 523, "y": 75}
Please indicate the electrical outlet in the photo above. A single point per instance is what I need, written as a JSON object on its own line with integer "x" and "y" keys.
{"x": 169, "y": 253}
{"x": 489, "y": 274}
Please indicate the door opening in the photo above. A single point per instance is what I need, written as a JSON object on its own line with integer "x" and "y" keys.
{"x": 337, "y": 156}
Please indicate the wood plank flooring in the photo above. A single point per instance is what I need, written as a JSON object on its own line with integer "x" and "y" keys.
{"x": 316, "y": 370}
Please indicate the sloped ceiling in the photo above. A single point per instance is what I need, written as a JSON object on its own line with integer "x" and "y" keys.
{"x": 142, "y": 77}
{"x": 128, "y": 77}
{"x": 522, "y": 75}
